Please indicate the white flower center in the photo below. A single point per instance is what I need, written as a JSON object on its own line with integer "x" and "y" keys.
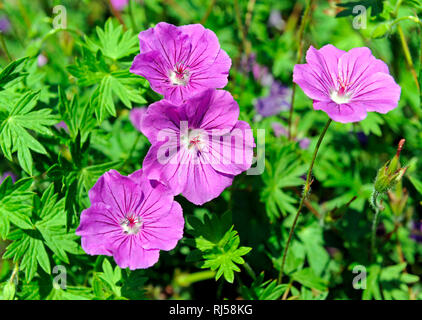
{"x": 180, "y": 75}
{"x": 340, "y": 97}
{"x": 194, "y": 140}
{"x": 131, "y": 224}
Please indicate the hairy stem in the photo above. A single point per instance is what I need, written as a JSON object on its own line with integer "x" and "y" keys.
{"x": 304, "y": 195}
{"x": 374, "y": 230}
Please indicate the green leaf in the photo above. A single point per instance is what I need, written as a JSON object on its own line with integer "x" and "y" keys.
{"x": 260, "y": 290}
{"x": 372, "y": 124}
{"x": 111, "y": 277}
{"x": 15, "y": 205}
{"x": 114, "y": 42}
{"x": 219, "y": 249}
{"x": 308, "y": 278}
{"x": 9, "y": 290}
{"x": 47, "y": 229}
{"x": 14, "y": 125}
{"x": 416, "y": 183}
{"x": 10, "y": 73}
{"x": 283, "y": 170}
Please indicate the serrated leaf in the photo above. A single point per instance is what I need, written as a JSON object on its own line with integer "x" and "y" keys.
{"x": 47, "y": 229}
{"x": 114, "y": 42}
{"x": 15, "y": 205}
{"x": 219, "y": 249}
{"x": 14, "y": 125}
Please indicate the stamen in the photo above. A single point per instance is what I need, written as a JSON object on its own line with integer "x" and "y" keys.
{"x": 131, "y": 224}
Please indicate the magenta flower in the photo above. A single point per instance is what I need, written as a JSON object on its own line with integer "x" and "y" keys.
{"x": 130, "y": 218}
{"x": 347, "y": 85}
{"x": 199, "y": 146}
{"x": 135, "y": 116}
{"x": 119, "y": 4}
{"x": 180, "y": 62}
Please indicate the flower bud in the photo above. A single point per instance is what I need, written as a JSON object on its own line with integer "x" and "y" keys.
{"x": 391, "y": 173}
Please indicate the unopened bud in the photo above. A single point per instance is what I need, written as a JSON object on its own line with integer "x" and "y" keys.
{"x": 390, "y": 173}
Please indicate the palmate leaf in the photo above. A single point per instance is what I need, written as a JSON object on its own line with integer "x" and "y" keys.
{"x": 15, "y": 122}
{"x": 260, "y": 290}
{"x": 28, "y": 246}
{"x": 10, "y": 72}
{"x": 93, "y": 70}
{"x": 283, "y": 170}
{"x": 113, "y": 42}
{"x": 15, "y": 205}
{"x": 217, "y": 245}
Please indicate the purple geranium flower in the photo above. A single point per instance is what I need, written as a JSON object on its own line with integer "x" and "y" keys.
{"x": 119, "y": 4}
{"x": 346, "y": 85}
{"x": 130, "y": 218}
{"x": 278, "y": 100}
{"x": 198, "y": 147}
{"x": 135, "y": 116}
{"x": 180, "y": 62}
{"x": 8, "y": 174}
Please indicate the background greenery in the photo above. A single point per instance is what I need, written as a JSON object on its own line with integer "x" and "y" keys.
{"x": 233, "y": 245}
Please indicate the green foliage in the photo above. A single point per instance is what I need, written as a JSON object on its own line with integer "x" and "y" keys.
{"x": 15, "y": 205}
{"x": 283, "y": 170}
{"x": 217, "y": 244}
{"x": 264, "y": 290}
{"x": 114, "y": 43}
{"x": 16, "y": 120}
{"x": 46, "y": 230}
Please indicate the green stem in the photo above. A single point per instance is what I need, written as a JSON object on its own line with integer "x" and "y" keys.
{"x": 132, "y": 18}
{"x": 132, "y": 150}
{"x": 303, "y": 23}
{"x": 3, "y": 44}
{"x": 374, "y": 230}
{"x": 302, "y": 200}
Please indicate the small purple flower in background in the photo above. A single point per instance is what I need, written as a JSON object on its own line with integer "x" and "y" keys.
{"x": 62, "y": 125}
{"x": 276, "y": 20}
{"x": 119, "y": 4}
{"x": 263, "y": 75}
{"x": 8, "y": 174}
{"x": 347, "y": 85}
{"x": 278, "y": 100}
{"x": 4, "y": 24}
{"x": 280, "y": 130}
{"x": 198, "y": 147}
{"x": 130, "y": 218}
{"x": 416, "y": 233}
{"x": 304, "y": 143}
{"x": 180, "y": 62}
{"x": 42, "y": 60}
{"x": 135, "y": 116}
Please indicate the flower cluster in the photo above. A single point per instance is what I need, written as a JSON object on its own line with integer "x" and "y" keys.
{"x": 197, "y": 147}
